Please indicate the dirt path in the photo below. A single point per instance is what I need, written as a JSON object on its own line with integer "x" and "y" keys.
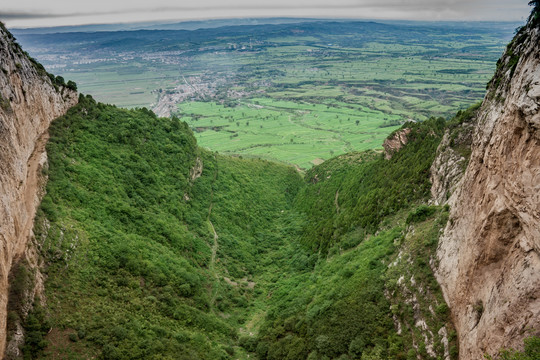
{"x": 215, "y": 244}
{"x": 336, "y": 202}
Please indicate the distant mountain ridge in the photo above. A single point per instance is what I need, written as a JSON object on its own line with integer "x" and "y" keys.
{"x": 208, "y": 24}
{"x": 182, "y": 25}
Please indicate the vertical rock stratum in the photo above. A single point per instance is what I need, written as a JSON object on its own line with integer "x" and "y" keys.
{"x": 489, "y": 253}
{"x": 29, "y": 101}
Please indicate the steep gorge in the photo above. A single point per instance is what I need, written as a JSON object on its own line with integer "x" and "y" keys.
{"x": 489, "y": 253}
{"x": 144, "y": 257}
{"x": 29, "y": 101}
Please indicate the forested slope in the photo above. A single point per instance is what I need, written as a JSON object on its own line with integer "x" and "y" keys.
{"x": 156, "y": 248}
{"x": 126, "y": 233}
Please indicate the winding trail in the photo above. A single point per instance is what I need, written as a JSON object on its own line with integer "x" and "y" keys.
{"x": 215, "y": 244}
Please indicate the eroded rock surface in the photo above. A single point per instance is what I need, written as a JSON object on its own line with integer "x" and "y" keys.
{"x": 28, "y": 103}
{"x": 489, "y": 253}
{"x": 392, "y": 144}
{"x": 452, "y": 157}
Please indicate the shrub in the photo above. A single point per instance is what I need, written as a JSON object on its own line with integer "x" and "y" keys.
{"x": 442, "y": 310}
{"x": 420, "y": 214}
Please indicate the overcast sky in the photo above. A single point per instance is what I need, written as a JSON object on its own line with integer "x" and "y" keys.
{"x": 32, "y": 13}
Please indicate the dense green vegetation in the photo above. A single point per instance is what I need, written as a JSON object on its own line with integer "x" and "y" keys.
{"x": 122, "y": 266}
{"x": 337, "y": 308}
{"x": 531, "y": 351}
{"x": 355, "y": 208}
{"x": 155, "y": 248}
{"x": 343, "y": 307}
{"x": 131, "y": 272}
{"x": 351, "y": 193}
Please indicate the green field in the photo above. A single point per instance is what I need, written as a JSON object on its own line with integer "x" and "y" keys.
{"x": 297, "y": 133}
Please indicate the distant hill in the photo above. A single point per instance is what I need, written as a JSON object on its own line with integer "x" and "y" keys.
{"x": 182, "y": 25}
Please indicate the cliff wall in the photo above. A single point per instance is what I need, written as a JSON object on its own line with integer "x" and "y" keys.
{"x": 489, "y": 253}
{"x": 29, "y": 101}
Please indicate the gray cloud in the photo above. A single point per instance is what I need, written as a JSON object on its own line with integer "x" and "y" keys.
{"x": 69, "y": 12}
{"x": 6, "y": 15}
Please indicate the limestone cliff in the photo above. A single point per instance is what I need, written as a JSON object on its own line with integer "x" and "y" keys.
{"x": 395, "y": 142}
{"x": 29, "y": 101}
{"x": 489, "y": 253}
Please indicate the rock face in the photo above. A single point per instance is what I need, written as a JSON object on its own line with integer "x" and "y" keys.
{"x": 392, "y": 144}
{"x": 489, "y": 253}
{"x": 453, "y": 154}
{"x": 28, "y": 103}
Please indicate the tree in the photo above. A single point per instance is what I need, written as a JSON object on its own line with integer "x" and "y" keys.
{"x": 71, "y": 85}
{"x": 59, "y": 80}
{"x": 535, "y": 14}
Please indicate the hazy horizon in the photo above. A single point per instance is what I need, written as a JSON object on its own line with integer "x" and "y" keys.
{"x": 25, "y": 14}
